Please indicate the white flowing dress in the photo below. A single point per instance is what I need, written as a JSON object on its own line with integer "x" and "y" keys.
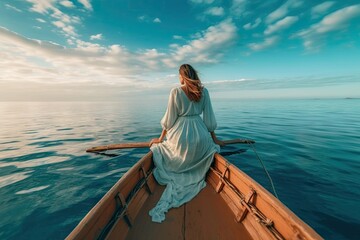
{"x": 182, "y": 160}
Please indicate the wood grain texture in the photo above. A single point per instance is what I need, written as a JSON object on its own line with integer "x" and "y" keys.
{"x": 285, "y": 221}
{"x": 210, "y": 215}
{"x": 145, "y": 229}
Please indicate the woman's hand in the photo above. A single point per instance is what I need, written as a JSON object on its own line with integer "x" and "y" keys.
{"x": 219, "y": 142}
{"x": 155, "y": 140}
{"x": 160, "y": 139}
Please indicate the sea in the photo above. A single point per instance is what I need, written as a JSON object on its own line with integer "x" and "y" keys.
{"x": 48, "y": 183}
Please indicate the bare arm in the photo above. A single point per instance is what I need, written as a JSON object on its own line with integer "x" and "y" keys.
{"x": 160, "y": 139}
{"x": 216, "y": 141}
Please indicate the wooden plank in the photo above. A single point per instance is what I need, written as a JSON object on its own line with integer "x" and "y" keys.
{"x": 252, "y": 227}
{"x": 207, "y": 216}
{"x": 144, "y": 228}
{"x": 120, "y": 230}
{"x": 244, "y": 186}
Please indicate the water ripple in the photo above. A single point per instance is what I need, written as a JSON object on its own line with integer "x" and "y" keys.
{"x": 36, "y": 162}
{"x": 31, "y": 190}
{"x": 311, "y": 149}
{"x": 13, "y": 178}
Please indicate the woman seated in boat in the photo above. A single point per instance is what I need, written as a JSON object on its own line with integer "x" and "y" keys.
{"x": 183, "y": 159}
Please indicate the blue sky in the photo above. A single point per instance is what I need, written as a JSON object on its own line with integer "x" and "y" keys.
{"x": 101, "y": 50}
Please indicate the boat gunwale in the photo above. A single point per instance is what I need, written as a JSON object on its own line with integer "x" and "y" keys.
{"x": 278, "y": 207}
{"x": 94, "y": 214}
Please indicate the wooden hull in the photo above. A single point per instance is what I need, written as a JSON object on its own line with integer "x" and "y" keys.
{"x": 232, "y": 206}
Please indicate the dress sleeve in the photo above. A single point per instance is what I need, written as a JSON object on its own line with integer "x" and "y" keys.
{"x": 171, "y": 113}
{"x": 208, "y": 113}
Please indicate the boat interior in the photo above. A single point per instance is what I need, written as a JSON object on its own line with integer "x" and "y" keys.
{"x": 231, "y": 206}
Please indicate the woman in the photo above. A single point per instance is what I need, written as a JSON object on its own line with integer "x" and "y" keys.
{"x": 184, "y": 158}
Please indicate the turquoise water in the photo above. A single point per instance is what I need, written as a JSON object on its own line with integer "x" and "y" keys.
{"x": 48, "y": 183}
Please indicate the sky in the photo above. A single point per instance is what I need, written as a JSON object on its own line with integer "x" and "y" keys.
{"x": 93, "y": 50}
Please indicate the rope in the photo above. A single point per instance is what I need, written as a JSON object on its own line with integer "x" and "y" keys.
{"x": 267, "y": 173}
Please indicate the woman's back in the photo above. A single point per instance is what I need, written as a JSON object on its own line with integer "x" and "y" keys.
{"x": 181, "y": 106}
{"x": 184, "y": 158}
{"x": 186, "y": 106}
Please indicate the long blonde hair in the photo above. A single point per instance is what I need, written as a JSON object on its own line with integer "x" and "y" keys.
{"x": 193, "y": 85}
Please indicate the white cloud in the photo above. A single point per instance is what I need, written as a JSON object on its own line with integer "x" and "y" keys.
{"x": 268, "y": 42}
{"x": 86, "y": 4}
{"x": 75, "y": 19}
{"x": 177, "y": 37}
{"x": 289, "y": 87}
{"x": 89, "y": 47}
{"x": 283, "y": 10}
{"x": 147, "y": 19}
{"x": 35, "y": 61}
{"x": 40, "y": 20}
{"x": 215, "y": 11}
{"x": 152, "y": 53}
{"x": 87, "y": 62}
{"x": 59, "y": 15}
{"x": 12, "y": 7}
{"x": 281, "y": 24}
{"x": 70, "y": 42}
{"x": 238, "y": 7}
{"x": 65, "y": 22}
{"x": 59, "y": 24}
{"x": 321, "y": 8}
{"x": 142, "y": 18}
{"x": 42, "y": 6}
{"x": 174, "y": 45}
{"x": 230, "y": 81}
{"x": 96, "y": 37}
{"x": 116, "y": 49}
{"x": 337, "y": 20}
{"x": 67, "y": 3}
{"x": 150, "y": 58}
{"x": 249, "y": 26}
{"x": 67, "y": 29}
{"x": 202, "y": 1}
{"x": 208, "y": 47}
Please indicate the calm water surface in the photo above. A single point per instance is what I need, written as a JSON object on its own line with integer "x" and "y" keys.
{"x": 48, "y": 183}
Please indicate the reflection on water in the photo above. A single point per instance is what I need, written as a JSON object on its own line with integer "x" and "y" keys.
{"x": 310, "y": 148}
{"x": 31, "y": 190}
{"x": 35, "y": 162}
{"x": 13, "y": 178}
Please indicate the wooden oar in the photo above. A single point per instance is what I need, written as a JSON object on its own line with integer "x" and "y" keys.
{"x": 147, "y": 144}
{"x": 234, "y": 141}
{"x": 119, "y": 146}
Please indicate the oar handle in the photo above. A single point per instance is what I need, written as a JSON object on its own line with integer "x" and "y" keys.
{"x": 119, "y": 146}
{"x": 147, "y": 144}
{"x": 234, "y": 141}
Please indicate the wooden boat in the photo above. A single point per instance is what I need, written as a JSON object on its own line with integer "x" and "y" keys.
{"x": 231, "y": 206}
